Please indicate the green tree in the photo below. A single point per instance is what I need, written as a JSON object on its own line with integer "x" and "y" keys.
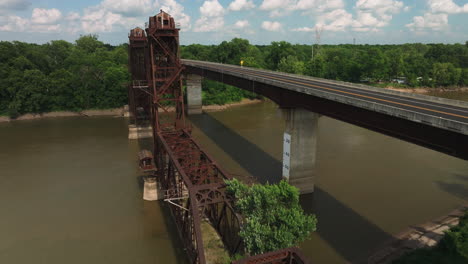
{"x": 277, "y": 51}
{"x": 291, "y": 64}
{"x": 89, "y": 43}
{"x": 273, "y": 217}
{"x": 446, "y": 74}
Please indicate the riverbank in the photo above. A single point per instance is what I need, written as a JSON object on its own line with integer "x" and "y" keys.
{"x": 118, "y": 112}
{"x": 427, "y": 90}
{"x": 245, "y": 101}
{"x": 415, "y": 237}
{"x": 93, "y": 112}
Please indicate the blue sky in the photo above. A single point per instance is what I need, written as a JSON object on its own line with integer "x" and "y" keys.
{"x": 259, "y": 21}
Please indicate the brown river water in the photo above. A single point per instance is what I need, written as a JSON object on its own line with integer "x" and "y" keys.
{"x": 70, "y": 190}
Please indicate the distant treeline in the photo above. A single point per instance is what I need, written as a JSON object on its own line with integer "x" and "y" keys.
{"x": 89, "y": 74}
{"x": 62, "y": 76}
{"x": 414, "y": 64}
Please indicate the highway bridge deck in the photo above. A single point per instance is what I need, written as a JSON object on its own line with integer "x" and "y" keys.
{"x": 413, "y": 114}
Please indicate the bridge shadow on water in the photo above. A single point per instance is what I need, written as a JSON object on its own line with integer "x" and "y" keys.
{"x": 348, "y": 233}
{"x": 458, "y": 187}
{"x": 156, "y": 213}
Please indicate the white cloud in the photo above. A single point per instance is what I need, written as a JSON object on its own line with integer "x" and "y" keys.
{"x": 211, "y": 8}
{"x": 429, "y": 21}
{"x": 96, "y": 20}
{"x": 212, "y": 17}
{"x": 13, "y": 5}
{"x": 318, "y": 6}
{"x": 371, "y": 15}
{"x": 45, "y": 20}
{"x": 13, "y": 23}
{"x": 44, "y": 28}
{"x": 374, "y": 14}
{"x": 42, "y": 20}
{"x": 278, "y": 8}
{"x": 209, "y": 24}
{"x": 336, "y": 20}
{"x": 275, "y": 4}
{"x": 271, "y": 25}
{"x": 176, "y": 10}
{"x": 45, "y": 16}
{"x": 129, "y": 8}
{"x": 303, "y": 29}
{"x": 241, "y": 24}
{"x": 446, "y": 6}
{"x": 238, "y": 5}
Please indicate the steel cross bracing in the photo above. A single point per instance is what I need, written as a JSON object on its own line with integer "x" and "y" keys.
{"x": 194, "y": 183}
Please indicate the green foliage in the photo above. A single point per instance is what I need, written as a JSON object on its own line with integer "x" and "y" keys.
{"x": 291, "y": 64}
{"x": 453, "y": 248}
{"x": 90, "y": 74}
{"x": 216, "y": 93}
{"x": 62, "y": 76}
{"x": 273, "y": 217}
{"x": 421, "y": 64}
{"x": 446, "y": 74}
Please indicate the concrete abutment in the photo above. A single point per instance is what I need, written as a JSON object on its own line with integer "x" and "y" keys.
{"x": 300, "y": 148}
{"x": 194, "y": 94}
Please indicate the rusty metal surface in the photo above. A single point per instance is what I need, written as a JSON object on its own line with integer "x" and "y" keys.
{"x": 139, "y": 102}
{"x": 194, "y": 183}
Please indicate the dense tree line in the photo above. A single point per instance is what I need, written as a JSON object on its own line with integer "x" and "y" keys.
{"x": 59, "y": 75}
{"x": 89, "y": 74}
{"x": 429, "y": 65}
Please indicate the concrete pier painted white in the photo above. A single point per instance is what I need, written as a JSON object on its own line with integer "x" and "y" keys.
{"x": 151, "y": 190}
{"x": 136, "y": 132}
{"x": 302, "y": 129}
{"x": 194, "y": 94}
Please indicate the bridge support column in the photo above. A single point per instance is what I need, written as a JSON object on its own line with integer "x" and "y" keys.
{"x": 194, "y": 94}
{"x": 300, "y": 147}
{"x": 152, "y": 189}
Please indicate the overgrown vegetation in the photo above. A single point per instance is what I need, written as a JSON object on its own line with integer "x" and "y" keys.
{"x": 273, "y": 217}
{"x": 216, "y": 93}
{"x": 62, "y": 76}
{"x": 453, "y": 248}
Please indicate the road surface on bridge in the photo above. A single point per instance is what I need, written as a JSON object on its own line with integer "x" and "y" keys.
{"x": 455, "y": 112}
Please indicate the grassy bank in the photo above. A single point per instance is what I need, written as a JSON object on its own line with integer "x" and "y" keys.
{"x": 453, "y": 248}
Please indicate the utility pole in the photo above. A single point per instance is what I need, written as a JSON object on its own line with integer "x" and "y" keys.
{"x": 318, "y": 34}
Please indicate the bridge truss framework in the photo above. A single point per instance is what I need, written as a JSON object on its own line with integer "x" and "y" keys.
{"x": 193, "y": 182}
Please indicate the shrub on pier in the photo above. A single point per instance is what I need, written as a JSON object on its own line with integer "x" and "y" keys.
{"x": 273, "y": 217}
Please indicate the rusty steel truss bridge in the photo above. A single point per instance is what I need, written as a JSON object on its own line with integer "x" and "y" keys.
{"x": 193, "y": 183}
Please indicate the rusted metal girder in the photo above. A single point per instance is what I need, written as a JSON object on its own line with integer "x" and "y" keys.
{"x": 139, "y": 101}
{"x": 194, "y": 183}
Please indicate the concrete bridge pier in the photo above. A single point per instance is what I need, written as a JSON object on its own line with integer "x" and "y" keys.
{"x": 300, "y": 148}
{"x": 194, "y": 94}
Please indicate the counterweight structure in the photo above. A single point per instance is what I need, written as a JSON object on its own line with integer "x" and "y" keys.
{"x": 139, "y": 101}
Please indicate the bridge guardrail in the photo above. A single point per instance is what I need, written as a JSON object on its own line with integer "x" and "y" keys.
{"x": 427, "y": 119}
{"x": 353, "y": 85}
